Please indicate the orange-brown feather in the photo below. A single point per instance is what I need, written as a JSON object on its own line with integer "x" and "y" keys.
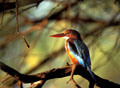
{"x": 72, "y": 58}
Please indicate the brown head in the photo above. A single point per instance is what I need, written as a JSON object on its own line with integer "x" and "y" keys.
{"x": 68, "y": 34}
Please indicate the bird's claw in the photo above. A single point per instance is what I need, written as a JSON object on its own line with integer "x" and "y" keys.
{"x": 67, "y": 64}
{"x": 68, "y": 80}
{"x": 71, "y": 79}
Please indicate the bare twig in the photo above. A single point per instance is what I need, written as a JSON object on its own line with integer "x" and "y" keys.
{"x": 3, "y": 11}
{"x": 17, "y": 25}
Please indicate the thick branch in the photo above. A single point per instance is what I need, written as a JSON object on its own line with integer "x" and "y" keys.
{"x": 11, "y": 5}
{"x": 57, "y": 73}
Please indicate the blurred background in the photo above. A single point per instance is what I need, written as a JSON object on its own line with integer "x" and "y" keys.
{"x": 98, "y": 22}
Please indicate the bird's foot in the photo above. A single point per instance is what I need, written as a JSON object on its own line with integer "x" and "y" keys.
{"x": 72, "y": 73}
{"x": 71, "y": 79}
{"x": 67, "y": 64}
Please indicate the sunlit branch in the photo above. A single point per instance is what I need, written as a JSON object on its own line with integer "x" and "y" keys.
{"x": 57, "y": 73}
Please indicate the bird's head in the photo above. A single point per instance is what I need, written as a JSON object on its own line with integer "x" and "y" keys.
{"x": 68, "y": 34}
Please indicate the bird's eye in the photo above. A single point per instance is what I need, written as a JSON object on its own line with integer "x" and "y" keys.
{"x": 67, "y": 33}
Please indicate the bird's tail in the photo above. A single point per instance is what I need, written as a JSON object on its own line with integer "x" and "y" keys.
{"x": 89, "y": 69}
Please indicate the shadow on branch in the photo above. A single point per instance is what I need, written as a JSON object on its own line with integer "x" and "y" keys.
{"x": 38, "y": 80}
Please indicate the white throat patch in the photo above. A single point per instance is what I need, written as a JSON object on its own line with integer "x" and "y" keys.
{"x": 66, "y": 38}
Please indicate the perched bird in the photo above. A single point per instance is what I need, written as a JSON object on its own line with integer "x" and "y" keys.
{"x": 76, "y": 50}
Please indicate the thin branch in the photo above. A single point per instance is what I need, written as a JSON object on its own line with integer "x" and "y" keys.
{"x": 3, "y": 1}
{"x": 17, "y": 26}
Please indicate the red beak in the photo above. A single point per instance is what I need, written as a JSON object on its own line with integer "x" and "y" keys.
{"x": 58, "y": 35}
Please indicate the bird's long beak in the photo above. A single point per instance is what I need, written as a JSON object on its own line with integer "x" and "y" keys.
{"x": 58, "y": 35}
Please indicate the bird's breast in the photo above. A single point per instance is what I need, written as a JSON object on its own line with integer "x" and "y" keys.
{"x": 71, "y": 56}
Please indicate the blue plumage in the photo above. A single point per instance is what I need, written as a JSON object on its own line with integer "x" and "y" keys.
{"x": 80, "y": 60}
{"x": 76, "y": 50}
{"x": 82, "y": 54}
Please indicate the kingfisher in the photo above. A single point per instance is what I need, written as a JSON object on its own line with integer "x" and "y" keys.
{"x": 76, "y": 50}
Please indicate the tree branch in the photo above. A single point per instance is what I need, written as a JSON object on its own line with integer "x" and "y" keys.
{"x": 40, "y": 78}
{"x": 12, "y": 5}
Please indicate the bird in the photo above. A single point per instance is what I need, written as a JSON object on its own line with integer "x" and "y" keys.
{"x": 77, "y": 50}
